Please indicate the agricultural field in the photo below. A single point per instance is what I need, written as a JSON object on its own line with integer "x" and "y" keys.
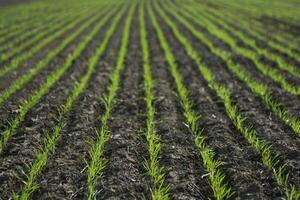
{"x": 150, "y": 99}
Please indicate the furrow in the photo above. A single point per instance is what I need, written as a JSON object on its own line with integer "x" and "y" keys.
{"x": 183, "y": 168}
{"x": 8, "y": 57}
{"x": 41, "y": 119}
{"x": 283, "y": 42}
{"x": 124, "y": 176}
{"x": 268, "y": 126}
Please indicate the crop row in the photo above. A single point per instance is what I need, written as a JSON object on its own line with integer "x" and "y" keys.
{"x": 276, "y": 10}
{"x": 14, "y": 25}
{"x": 18, "y": 16}
{"x": 281, "y": 63}
{"x": 21, "y": 29}
{"x": 159, "y": 190}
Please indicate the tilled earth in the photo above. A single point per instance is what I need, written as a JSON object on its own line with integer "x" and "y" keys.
{"x": 125, "y": 176}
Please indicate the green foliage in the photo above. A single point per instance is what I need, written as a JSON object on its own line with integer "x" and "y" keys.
{"x": 159, "y": 190}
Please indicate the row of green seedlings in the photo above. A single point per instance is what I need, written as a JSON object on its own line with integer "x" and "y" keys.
{"x": 15, "y": 16}
{"x": 257, "y": 29}
{"x": 159, "y": 190}
{"x": 57, "y": 30}
{"x": 252, "y": 55}
{"x": 51, "y": 141}
{"x": 14, "y": 26}
{"x": 40, "y": 40}
{"x": 220, "y": 189}
{"x": 270, "y": 159}
{"x": 281, "y": 63}
{"x": 17, "y": 13}
{"x": 49, "y": 83}
{"x": 244, "y": 26}
{"x": 267, "y": 9}
{"x": 258, "y": 88}
{"x": 41, "y": 32}
{"x": 284, "y": 37}
{"x": 19, "y": 31}
{"x": 29, "y": 27}
{"x": 20, "y": 82}
{"x": 287, "y": 43}
{"x": 97, "y": 162}
{"x": 16, "y": 42}
{"x": 23, "y": 32}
